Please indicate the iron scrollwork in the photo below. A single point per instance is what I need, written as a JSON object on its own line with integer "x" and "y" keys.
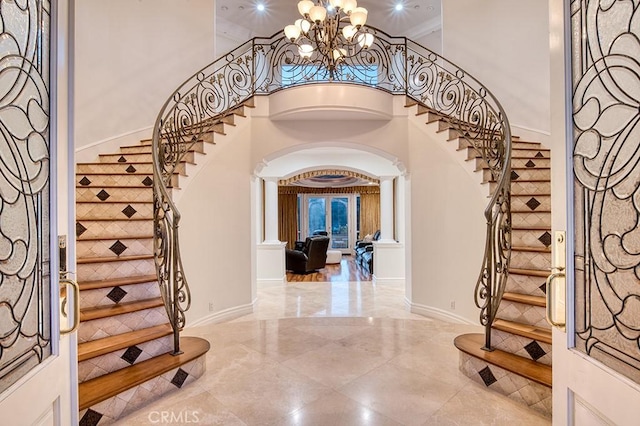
{"x": 396, "y": 65}
{"x": 606, "y": 163}
{"x": 25, "y": 280}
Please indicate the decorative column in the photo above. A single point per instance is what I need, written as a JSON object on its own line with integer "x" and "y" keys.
{"x": 386, "y": 209}
{"x": 271, "y": 210}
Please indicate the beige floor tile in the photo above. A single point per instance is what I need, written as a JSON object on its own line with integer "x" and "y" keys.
{"x": 335, "y": 365}
{"x": 285, "y": 343}
{"x": 336, "y": 410}
{"x": 399, "y": 393}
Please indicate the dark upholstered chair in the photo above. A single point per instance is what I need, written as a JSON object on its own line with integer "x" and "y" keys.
{"x": 312, "y": 257}
{"x": 364, "y": 253}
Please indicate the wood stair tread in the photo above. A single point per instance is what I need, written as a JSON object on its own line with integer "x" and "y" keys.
{"x": 85, "y": 260}
{"x": 535, "y": 371}
{"x": 102, "y": 219}
{"x": 532, "y": 228}
{"x": 112, "y": 202}
{"x": 104, "y": 387}
{"x": 116, "y": 237}
{"x": 95, "y": 348}
{"x": 531, "y": 272}
{"x": 527, "y": 299}
{"x": 89, "y": 314}
{"x": 524, "y": 330}
{"x": 532, "y": 249}
{"x": 116, "y": 186}
{"x": 117, "y": 282}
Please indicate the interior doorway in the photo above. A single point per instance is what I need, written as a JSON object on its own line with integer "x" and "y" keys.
{"x": 335, "y": 214}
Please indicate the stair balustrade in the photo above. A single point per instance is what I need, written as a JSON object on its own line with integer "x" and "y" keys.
{"x": 265, "y": 65}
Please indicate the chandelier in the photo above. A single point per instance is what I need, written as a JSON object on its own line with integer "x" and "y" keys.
{"x": 330, "y": 31}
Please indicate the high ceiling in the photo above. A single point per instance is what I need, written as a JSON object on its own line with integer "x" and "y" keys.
{"x": 240, "y": 20}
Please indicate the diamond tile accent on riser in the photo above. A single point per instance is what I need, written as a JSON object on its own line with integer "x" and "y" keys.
{"x": 522, "y": 313}
{"x": 525, "y": 284}
{"x": 107, "y": 210}
{"x": 126, "y": 402}
{"x": 112, "y": 326}
{"x": 520, "y": 152}
{"x": 98, "y": 297}
{"x": 518, "y": 345}
{"x": 120, "y": 269}
{"x": 526, "y": 202}
{"x": 530, "y": 260}
{"x": 104, "y": 248}
{"x": 518, "y": 163}
{"x": 117, "y": 360}
{"x": 111, "y": 228}
{"x": 523, "y": 220}
{"x": 114, "y": 194}
{"x": 528, "y": 238}
{"x": 526, "y": 188}
{"x": 516, "y": 387}
{"x": 522, "y": 174}
{"x": 146, "y": 167}
{"x": 104, "y": 179}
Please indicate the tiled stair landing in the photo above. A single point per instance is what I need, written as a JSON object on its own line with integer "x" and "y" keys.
{"x": 125, "y": 339}
{"x": 520, "y": 365}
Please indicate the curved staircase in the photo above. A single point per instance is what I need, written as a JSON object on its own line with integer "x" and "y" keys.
{"x": 520, "y": 364}
{"x": 125, "y": 338}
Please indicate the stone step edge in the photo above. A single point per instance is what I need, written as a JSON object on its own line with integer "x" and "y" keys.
{"x": 524, "y": 330}
{"x": 471, "y": 344}
{"x": 109, "y": 385}
{"x": 89, "y": 314}
{"x": 95, "y": 348}
{"x": 526, "y": 299}
{"x": 117, "y": 282}
{"x": 531, "y": 249}
{"x": 530, "y": 272}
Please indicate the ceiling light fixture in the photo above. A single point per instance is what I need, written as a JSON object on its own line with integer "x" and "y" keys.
{"x": 260, "y": 7}
{"x": 399, "y": 7}
{"x": 330, "y": 31}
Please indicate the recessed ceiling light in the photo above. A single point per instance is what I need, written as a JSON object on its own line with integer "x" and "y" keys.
{"x": 399, "y": 6}
{"x": 260, "y": 7}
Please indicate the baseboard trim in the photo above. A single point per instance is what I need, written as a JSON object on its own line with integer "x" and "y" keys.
{"x": 437, "y": 313}
{"x": 271, "y": 282}
{"x": 530, "y": 129}
{"x": 395, "y": 282}
{"x": 112, "y": 138}
{"x": 224, "y": 315}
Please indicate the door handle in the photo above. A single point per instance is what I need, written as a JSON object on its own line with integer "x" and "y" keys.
{"x": 556, "y": 282}
{"x": 76, "y": 305}
{"x": 551, "y": 300}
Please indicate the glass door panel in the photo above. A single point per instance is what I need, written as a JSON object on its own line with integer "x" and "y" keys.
{"x": 317, "y": 215}
{"x": 339, "y": 223}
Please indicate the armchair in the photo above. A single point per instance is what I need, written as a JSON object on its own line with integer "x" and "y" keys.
{"x": 364, "y": 252}
{"x": 313, "y": 255}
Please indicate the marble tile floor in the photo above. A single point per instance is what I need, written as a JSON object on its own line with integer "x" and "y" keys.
{"x": 333, "y": 354}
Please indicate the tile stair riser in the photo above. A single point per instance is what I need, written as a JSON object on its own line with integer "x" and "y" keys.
{"x": 529, "y": 238}
{"x": 534, "y": 154}
{"x": 526, "y": 187}
{"x": 530, "y": 260}
{"x": 114, "y": 361}
{"x": 125, "y": 158}
{"x": 107, "y": 210}
{"x": 516, "y": 147}
{"x": 102, "y": 248}
{"x": 119, "y": 269}
{"x": 526, "y": 284}
{"x": 146, "y": 149}
{"x": 515, "y": 344}
{"x": 120, "y": 180}
{"x": 522, "y": 313}
{"x": 115, "y": 194}
{"x": 134, "y": 292}
{"x": 109, "y": 228}
{"x": 520, "y": 163}
{"x": 146, "y": 167}
{"x": 523, "y": 174}
{"x": 207, "y": 137}
{"x": 119, "y": 324}
{"x": 540, "y": 202}
{"x": 518, "y": 388}
{"x": 530, "y": 219}
{"x": 139, "y": 396}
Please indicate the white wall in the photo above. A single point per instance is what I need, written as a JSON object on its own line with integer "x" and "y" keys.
{"x": 505, "y": 45}
{"x": 446, "y": 236}
{"x": 129, "y": 57}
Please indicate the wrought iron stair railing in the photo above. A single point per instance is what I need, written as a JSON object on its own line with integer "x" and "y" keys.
{"x": 396, "y": 65}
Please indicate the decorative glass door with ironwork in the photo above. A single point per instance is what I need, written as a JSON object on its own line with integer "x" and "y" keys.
{"x": 333, "y": 214}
